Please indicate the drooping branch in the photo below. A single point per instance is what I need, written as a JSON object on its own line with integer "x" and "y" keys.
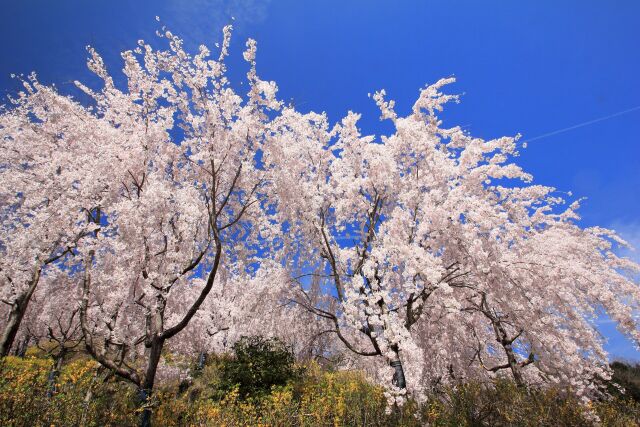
{"x": 170, "y": 332}
{"x": 100, "y": 354}
{"x": 502, "y": 337}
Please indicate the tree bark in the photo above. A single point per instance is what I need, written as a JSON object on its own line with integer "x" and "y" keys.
{"x": 146, "y": 390}
{"x": 55, "y": 371}
{"x": 22, "y": 347}
{"x": 89, "y": 396}
{"x": 202, "y": 360}
{"x": 513, "y": 365}
{"x": 16, "y": 314}
{"x": 398, "y": 379}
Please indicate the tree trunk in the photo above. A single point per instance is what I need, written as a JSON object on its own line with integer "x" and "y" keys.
{"x": 89, "y": 395}
{"x": 398, "y": 379}
{"x": 55, "y": 371}
{"x": 513, "y": 365}
{"x": 145, "y": 392}
{"x": 202, "y": 360}
{"x": 22, "y": 347}
{"x": 18, "y": 309}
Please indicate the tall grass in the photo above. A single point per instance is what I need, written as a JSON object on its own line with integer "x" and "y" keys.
{"x": 88, "y": 396}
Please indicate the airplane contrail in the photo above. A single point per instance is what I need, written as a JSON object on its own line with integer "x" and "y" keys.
{"x": 590, "y": 122}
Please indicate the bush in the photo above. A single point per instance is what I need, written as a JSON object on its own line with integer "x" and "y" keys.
{"x": 24, "y": 400}
{"x": 504, "y": 403}
{"x": 258, "y": 365}
{"x": 315, "y": 398}
{"x": 626, "y": 376}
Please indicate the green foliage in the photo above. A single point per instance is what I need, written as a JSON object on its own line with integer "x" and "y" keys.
{"x": 313, "y": 398}
{"x": 626, "y": 376}
{"x": 317, "y": 398}
{"x": 504, "y": 403}
{"x": 258, "y": 365}
{"x": 24, "y": 401}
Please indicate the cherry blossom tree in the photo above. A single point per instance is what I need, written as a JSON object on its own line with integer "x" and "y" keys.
{"x": 439, "y": 256}
{"x": 53, "y": 322}
{"x": 173, "y": 204}
{"x": 189, "y": 211}
{"x": 152, "y": 188}
{"x": 56, "y": 168}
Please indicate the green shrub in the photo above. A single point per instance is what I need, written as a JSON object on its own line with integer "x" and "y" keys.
{"x": 24, "y": 400}
{"x": 258, "y": 364}
{"x": 626, "y": 376}
{"x": 314, "y": 398}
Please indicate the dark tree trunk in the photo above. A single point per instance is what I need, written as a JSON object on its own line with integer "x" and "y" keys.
{"x": 22, "y": 347}
{"x": 89, "y": 395}
{"x": 202, "y": 360}
{"x": 18, "y": 309}
{"x": 398, "y": 379}
{"x": 145, "y": 392}
{"x": 11, "y": 329}
{"x": 53, "y": 375}
{"x": 398, "y": 376}
{"x": 513, "y": 365}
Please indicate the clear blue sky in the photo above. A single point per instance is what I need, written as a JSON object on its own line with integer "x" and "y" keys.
{"x": 532, "y": 68}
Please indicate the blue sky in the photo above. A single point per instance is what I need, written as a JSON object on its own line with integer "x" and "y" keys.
{"x": 534, "y": 68}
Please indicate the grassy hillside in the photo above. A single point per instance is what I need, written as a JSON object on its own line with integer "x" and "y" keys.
{"x": 83, "y": 394}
